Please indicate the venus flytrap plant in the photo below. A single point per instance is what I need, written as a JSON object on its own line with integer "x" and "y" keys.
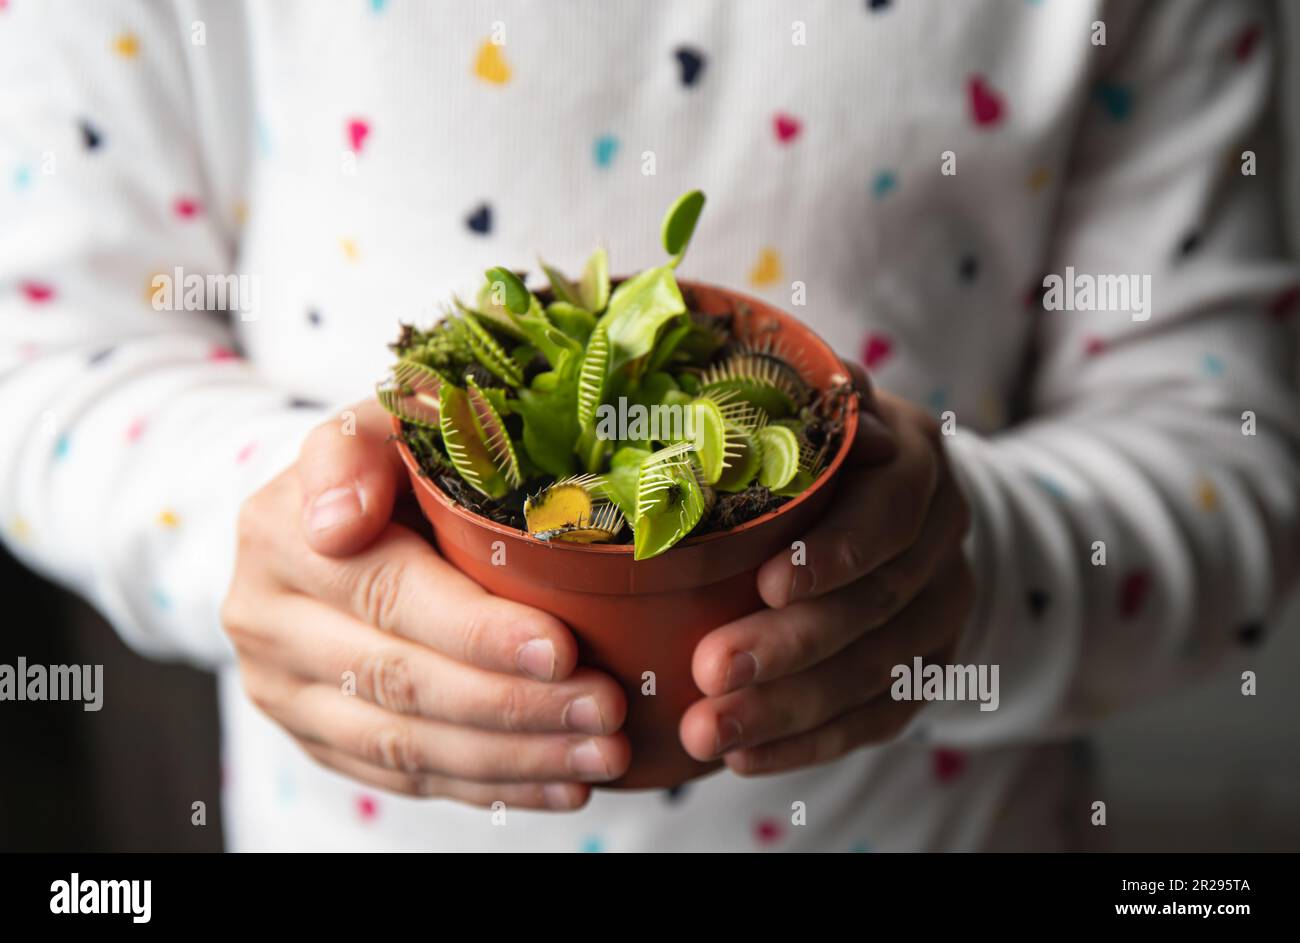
{"x": 502, "y": 400}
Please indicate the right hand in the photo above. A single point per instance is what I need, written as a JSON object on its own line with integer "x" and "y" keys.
{"x": 459, "y": 694}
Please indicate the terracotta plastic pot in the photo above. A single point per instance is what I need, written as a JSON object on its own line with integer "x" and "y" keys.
{"x": 633, "y": 617}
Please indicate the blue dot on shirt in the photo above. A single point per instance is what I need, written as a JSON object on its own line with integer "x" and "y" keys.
{"x": 605, "y": 149}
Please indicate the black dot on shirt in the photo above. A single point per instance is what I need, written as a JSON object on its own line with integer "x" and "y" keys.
{"x": 676, "y": 793}
{"x": 690, "y": 62}
{"x": 91, "y": 139}
{"x": 968, "y": 268}
{"x": 1250, "y": 635}
{"x": 480, "y": 221}
{"x": 877, "y": 5}
{"x": 1191, "y": 242}
{"x": 313, "y": 317}
{"x": 100, "y": 356}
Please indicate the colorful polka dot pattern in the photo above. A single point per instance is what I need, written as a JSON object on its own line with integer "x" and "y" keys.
{"x": 985, "y": 105}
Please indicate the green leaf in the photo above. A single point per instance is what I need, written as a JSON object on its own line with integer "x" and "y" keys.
{"x": 414, "y": 396}
{"x": 508, "y": 290}
{"x": 638, "y": 309}
{"x": 490, "y": 354}
{"x": 780, "y": 450}
{"x": 573, "y": 321}
{"x": 800, "y": 483}
{"x": 592, "y": 376}
{"x": 669, "y": 501}
{"x": 594, "y": 287}
{"x": 492, "y": 430}
{"x": 759, "y": 379}
{"x": 709, "y": 439}
{"x": 465, "y": 447}
{"x": 745, "y": 464}
{"x": 491, "y": 315}
{"x": 667, "y": 344}
{"x": 561, "y": 286}
{"x": 653, "y": 388}
{"x": 679, "y": 223}
{"x": 550, "y": 426}
{"x": 620, "y": 481}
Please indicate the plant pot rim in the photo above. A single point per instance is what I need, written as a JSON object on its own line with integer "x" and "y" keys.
{"x": 827, "y": 476}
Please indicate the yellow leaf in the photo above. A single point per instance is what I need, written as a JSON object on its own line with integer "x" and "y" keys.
{"x": 559, "y": 506}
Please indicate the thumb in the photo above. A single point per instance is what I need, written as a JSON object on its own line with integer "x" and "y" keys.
{"x": 350, "y": 475}
{"x": 874, "y": 442}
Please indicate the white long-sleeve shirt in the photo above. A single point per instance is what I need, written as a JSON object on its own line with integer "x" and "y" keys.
{"x": 901, "y": 175}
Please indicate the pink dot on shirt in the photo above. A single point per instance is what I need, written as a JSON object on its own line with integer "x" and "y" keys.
{"x": 367, "y": 808}
{"x": 768, "y": 831}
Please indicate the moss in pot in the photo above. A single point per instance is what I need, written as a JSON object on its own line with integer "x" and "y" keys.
{"x": 624, "y": 457}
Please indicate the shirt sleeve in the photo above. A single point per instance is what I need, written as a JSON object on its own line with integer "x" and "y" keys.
{"x": 130, "y": 434}
{"x": 1144, "y": 517}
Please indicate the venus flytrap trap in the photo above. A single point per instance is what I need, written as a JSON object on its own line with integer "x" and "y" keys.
{"x": 507, "y": 405}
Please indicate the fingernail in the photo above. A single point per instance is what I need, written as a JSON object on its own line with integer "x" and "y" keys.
{"x": 792, "y": 591}
{"x": 587, "y": 761}
{"x": 334, "y": 507}
{"x": 583, "y": 714}
{"x": 556, "y": 796}
{"x": 729, "y": 734}
{"x": 537, "y": 658}
{"x": 742, "y": 669}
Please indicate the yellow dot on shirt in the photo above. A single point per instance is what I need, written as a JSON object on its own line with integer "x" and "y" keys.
{"x": 168, "y": 518}
{"x": 1207, "y": 496}
{"x": 126, "y": 45}
{"x": 155, "y": 289}
{"x": 490, "y": 64}
{"x": 20, "y": 529}
{"x": 767, "y": 270}
{"x": 1039, "y": 178}
{"x": 241, "y": 212}
{"x": 349, "y": 249}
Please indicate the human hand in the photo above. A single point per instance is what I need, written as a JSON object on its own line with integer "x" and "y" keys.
{"x": 458, "y": 693}
{"x": 885, "y": 579}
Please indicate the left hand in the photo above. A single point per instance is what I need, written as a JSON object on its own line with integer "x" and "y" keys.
{"x": 884, "y": 580}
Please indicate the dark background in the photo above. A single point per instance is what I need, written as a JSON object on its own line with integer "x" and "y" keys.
{"x": 119, "y": 779}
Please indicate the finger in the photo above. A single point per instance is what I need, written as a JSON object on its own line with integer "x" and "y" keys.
{"x": 804, "y": 701}
{"x": 322, "y": 714}
{"x": 332, "y": 647}
{"x": 879, "y": 721}
{"x": 874, "y": 442}
{"x": 401, "y": 585}
{"x": 777, "y": 643}
{"x": 877, "y": 514}
{"x": 541, "y": 796}
{"x": 889, "y": 587}
{"x": 350, "y": 474}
